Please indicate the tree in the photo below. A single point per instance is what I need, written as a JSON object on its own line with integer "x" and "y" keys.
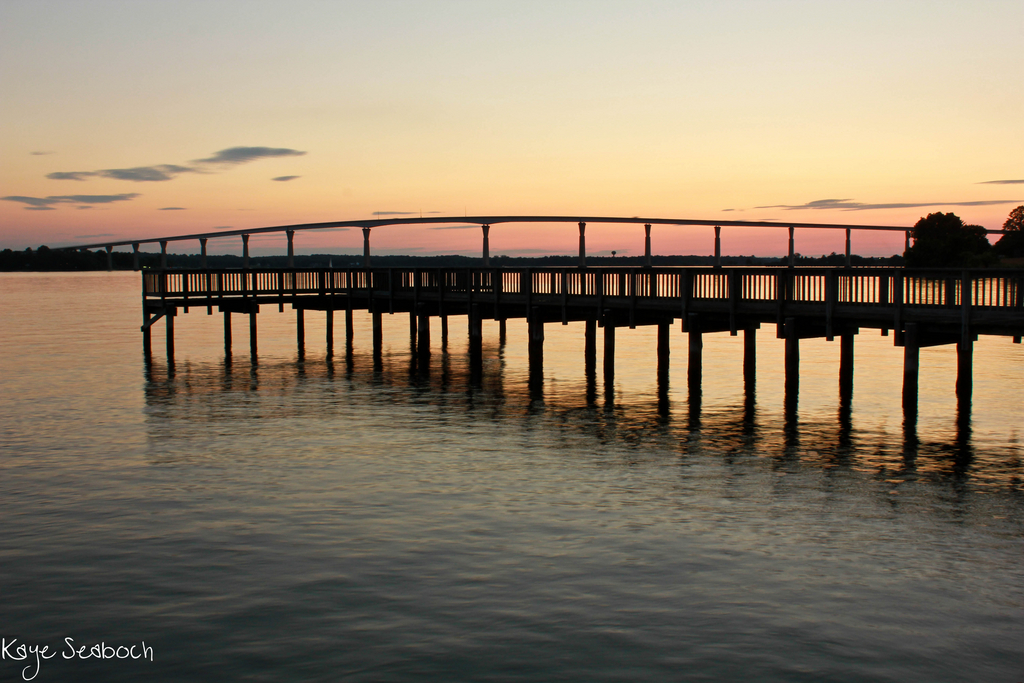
{"x": 942, "y": 240}
{"x": 1012, "y": 243}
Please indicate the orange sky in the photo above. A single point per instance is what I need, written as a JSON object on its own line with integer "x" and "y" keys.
{"x": 156, "y": 119}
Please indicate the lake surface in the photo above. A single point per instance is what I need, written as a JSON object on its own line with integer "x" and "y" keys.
{"x": 312, "y": 518}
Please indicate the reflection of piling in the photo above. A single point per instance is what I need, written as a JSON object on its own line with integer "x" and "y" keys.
{"x": 423, "y": 335}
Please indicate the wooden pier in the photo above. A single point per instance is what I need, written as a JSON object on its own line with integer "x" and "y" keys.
{"x": 920, "y": 308}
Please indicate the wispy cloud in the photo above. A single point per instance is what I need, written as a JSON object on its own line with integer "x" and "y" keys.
{"x": 850, "y": 205}
{"x": 172, "y": 208}
{"x": 232, "y": 156}
{"x": 47, "y": 203}
{"x": 243, "y": 155}
{"x": 1002, "y": 182}
{"x": 39, "y": 154}
{"x": 285, "y": 178}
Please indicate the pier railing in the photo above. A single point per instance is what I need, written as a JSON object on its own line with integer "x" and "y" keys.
{"x": 886, "y": 287}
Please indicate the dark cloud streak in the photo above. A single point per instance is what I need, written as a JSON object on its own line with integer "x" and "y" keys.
{"x": 47, "y": 203}
{"x": 243, "y": 155}
{"x": 1002, "y": 182}
{"x": 232, "y": 156}
{"x": 285, "y": 178}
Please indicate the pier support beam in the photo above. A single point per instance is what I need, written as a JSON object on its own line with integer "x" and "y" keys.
{"x": 911, "y": 370}
{"x": 291, "y": 247}
{"x": 378, "y": 336}
{"x": 663, "y": 353}
{"x": 845, "y": 367}
{"x": 749, "y": 356}
{"x": 609, "y": 359}
{"x": 147, "y": 340}
{"x": 349, "y": 329}
{"x": 300, "y": 331}
{"x": 169, "y": 324}
{"x": 792, "y": 360}
{"x": 423, "y": 334}
{"x": 964, "y": 370}
{"x": 583, "y": 244}
{"x": 590, "y": 346}
{"x": 227, "y": 334}
{"x": 135, "y": 257}
{"x": 330, "y": 331}
{"x": 695, "y": 354}
{"x": 252, "y": 332}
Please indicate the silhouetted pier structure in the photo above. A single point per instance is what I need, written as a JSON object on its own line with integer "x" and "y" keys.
{"x": 920, "y": 307}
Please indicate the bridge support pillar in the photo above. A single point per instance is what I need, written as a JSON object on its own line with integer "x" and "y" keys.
{"x": 330, "y": 331}
{"x": 487, "y": 245}
{"x": 695, "y": 354}
{"x": 163, "y": 254}
{"x": 845, "y": 368}
{"x": 792, "y": 361}
{"x": 663, "y": 353}
{"x": 291, "y": 247}
{"x": 110, "y": 258}
{"x": 583, "y": 244}
{"x": 792, "y": 252}
{"x": 202, "y": 253}
{"x": 135, "y": 257}
{"x": 609, "y": 359}
{"x": 300, "y": 331}
{"x": 423, "y": 334}
{"x": 849, "y": 257}
{"x": 911, "y": 370}
{"x": 718, "y": 246}
{"x": 964, "y": 371}
{"x": 252, "y": 332}
{"x": 227, "y": 334}
{"x": 366, "y": 247}
{"x": 169, "y": 322}
{"x": 647, "y": 245}
{"x": 245, "y": 251}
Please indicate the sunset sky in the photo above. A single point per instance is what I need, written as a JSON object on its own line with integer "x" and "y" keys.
{"x": 143, "y": 119}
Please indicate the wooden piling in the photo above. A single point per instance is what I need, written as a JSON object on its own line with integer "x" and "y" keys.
{"x": 252, "y": 332}
{"x": 696, "y": 352}
{"x": 663, "y": 353}
{"x": 749, "y": 356}
{"x": 502, "y": 332}
{"x": 378, "y": 333}
{"x": 792, "y": 357}
{"x": 349, "y": 328}
{"x": 227, "y": 334}
{"x": 911, "y": 370}
{"x": 845, "y": 367}
{"x": 300, "y": 330}
{"x": 444, "y": 333}
{"x": 330, "y": 331}
{"x": 423, "y": 333}
{"x": 169, "y": 324}
{"x": 964, "y": 371}
{"x": 535, "y": 328}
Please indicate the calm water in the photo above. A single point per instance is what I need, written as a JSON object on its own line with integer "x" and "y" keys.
{"x": 315, "y": 519}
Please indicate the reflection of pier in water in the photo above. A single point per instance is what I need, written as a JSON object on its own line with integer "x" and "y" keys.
{"x": 493, "y": 393}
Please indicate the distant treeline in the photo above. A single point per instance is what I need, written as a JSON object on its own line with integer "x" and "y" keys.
{"x": 46, "y": 259}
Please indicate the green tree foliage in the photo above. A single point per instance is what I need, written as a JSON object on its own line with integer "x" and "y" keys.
{"x": 941, "y": 240}
{"x": 1012, "y": 243}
